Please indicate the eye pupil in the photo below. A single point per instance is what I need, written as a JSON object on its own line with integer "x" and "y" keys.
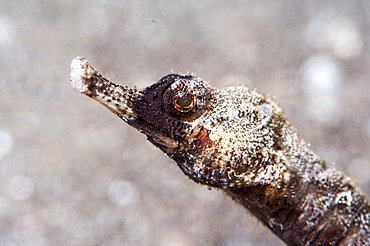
{"x": 185, "y": 101}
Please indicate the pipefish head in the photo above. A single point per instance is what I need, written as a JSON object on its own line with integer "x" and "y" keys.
{"x": 218, "y": 137}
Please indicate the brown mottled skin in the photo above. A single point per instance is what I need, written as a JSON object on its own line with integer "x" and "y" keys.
{"x": 240, "y": 141}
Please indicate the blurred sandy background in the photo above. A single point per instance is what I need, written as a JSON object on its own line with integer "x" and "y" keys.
{"x": 72, "y": 173}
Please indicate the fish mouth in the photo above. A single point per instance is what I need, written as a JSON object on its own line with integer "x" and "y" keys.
{"x": 119, "y": 99}
{"x": 88, "y": 81}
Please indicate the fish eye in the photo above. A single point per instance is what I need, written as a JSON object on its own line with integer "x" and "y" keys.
{"x": 184, "y": 98}
{"x": 184, "y": 102}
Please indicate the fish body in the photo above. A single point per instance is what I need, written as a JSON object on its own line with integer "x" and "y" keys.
{"x": 241, "y": 142}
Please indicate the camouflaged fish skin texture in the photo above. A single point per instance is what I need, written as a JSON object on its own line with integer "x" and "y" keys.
{"x": 240, "y": 141}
